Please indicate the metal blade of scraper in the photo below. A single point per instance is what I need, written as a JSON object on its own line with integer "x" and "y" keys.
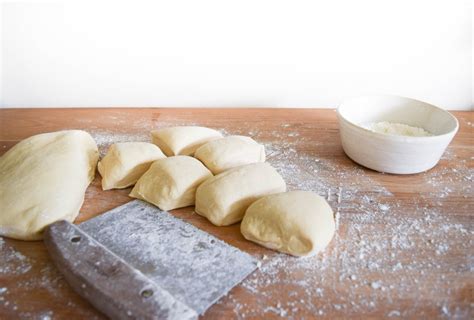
{"x": 107, "y": 281}
{"x": 195, "y": 267}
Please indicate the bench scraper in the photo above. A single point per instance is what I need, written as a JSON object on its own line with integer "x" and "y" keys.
{"x": 139, "y": 262}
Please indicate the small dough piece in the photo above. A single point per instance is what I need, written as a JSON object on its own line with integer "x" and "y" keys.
{"x": 43, "y": 179}
{"x": 126, "y": 162}
{"x": 224, "y": 198}
{"x": 230, "y": 152}
{"x": 298, "y": 222}
{"x": 183, "y": 140}
{"x": 171, "y": 183}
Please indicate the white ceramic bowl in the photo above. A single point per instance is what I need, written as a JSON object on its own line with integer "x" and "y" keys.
{"x": 393, "y": 153}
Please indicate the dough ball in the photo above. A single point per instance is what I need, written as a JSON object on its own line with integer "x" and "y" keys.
{"x": 298, "y": 222}
{"x": 171, "y": 183}
{"x": 229, "y": 152}
{"x": 224, "y": 198}
{"x": 43, "y": 179}
{"x": 126, "y": 162}
{"x": 183, "y": 140}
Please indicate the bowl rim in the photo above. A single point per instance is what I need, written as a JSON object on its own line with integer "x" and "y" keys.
{"x": 393, "y": 136}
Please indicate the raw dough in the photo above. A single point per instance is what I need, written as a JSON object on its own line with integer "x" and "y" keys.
{"x": 224, "y": 198}
{"x": 126, "y": 162}
{"x": 43, "y": 179}
{"x": 297, "y": 222}
{"x": 183, "y": 140}
{"x": 229, "y": 152}
{"x": 171, "y": 183}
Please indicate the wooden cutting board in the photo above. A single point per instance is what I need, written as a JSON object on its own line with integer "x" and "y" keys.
{"x": 403, "y": 246}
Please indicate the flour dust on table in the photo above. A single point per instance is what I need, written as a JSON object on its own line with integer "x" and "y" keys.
{"x": 50, "y": 282}
{"x": 389, "y": 257}
{"x": 375, "y": 235}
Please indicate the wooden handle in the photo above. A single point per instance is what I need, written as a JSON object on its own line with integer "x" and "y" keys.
{"x": 106, "y": 281}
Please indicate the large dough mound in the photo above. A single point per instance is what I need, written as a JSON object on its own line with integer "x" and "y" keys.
{"x": 229, "y": 152}
{"x": 126, "y": 162}
{"x": 224, "y": 198}
{"x": 298, "y": 222}
{"x": 183, "y": 140}
{"x": 43, "y": 179}
{"x": 171, "y": 183}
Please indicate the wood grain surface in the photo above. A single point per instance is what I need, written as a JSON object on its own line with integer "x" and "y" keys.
{"x": 404, "y": 244}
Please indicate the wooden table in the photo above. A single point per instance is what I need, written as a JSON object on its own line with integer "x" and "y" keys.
{"x": 404, "y": 244}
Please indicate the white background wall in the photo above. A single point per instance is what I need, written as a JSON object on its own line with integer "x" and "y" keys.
{"x": 235, "y": 53}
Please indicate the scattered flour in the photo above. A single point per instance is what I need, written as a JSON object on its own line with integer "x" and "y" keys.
{"x": 386, "y": 250}
{"x": 388, "y": 246}
{"x": 12, "y": 261}
{"x": 16, "y": 271}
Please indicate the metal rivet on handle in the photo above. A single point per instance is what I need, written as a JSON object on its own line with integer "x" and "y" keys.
{"x": 76, "y": 239}
{"x": 146, "y": 293}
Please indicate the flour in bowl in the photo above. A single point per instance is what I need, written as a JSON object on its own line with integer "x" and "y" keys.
{"x": 398, "y": 129}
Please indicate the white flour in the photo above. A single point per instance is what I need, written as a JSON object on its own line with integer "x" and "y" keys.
{"x": 50, "y": 282}
{"x": 398, "y": 129}
{"x": 376, "y": 236}
{"x": 386, "y": 251}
